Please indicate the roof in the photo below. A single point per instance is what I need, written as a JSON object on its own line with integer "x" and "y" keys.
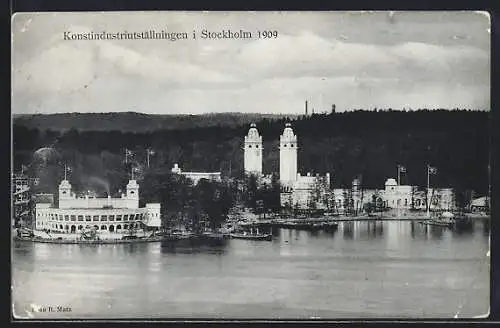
{"x": 481, "y": 201}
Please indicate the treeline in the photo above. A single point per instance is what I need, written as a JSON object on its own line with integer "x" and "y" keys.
{"x": 366, "y": 144}
{"x": 136, "y": 122}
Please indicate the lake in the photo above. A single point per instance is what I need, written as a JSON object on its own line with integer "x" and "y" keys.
{"x": 383, "y": 269}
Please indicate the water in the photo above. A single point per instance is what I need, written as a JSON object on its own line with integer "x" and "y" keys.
{"x": 363, "y": 270}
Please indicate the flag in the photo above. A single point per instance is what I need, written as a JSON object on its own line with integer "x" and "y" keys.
{"x": 24, "y": 167}
{"x": 432, "y": 170}
{"x": 128, "y": 152}
{"x": 135, "y": 169}
{"x": 402, "y": 169}
{"x": 151, "y": 152}
{"x": 68, "y": 169}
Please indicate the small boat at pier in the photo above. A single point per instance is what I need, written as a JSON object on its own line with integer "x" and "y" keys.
{"x": 250, "y": 236}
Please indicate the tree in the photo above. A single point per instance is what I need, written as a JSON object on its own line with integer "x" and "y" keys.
{"x": 214, "y": 200}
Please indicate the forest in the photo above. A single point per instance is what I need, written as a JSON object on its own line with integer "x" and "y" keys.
{"x": 365, "y": 144}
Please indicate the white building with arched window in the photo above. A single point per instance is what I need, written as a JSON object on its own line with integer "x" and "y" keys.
{"x": 110, "y": 218}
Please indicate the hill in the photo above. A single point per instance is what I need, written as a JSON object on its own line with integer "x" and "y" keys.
{"x": 369, "y": 144}
{"x": 135, "y": 122}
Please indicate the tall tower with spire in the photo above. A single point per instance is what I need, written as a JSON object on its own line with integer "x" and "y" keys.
{"x": 253, "y": 151}
{"x": 288, "y": 156}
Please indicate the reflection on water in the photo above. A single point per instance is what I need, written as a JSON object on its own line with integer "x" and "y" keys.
{"x": 362, "y": 269}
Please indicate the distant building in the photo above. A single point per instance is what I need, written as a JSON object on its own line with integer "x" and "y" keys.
{"x": 398, "y": 196}
{"x": 253, "y": 151}
{"x": 197, "y": 176}
{"x": 480, "y": 204}
{"x": 109, "y": 217}
{"x": 288, "y": 157}
{"x": 297, "y": 190}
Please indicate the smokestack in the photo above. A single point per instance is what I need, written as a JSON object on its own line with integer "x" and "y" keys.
{"x": 306, "y": 108}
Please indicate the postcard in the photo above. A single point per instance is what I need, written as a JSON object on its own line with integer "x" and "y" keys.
{"x": 250, "y": 165}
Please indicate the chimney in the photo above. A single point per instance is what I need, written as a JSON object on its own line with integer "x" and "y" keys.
{"x": 333, "y": 108}
{"x": 306, "y": 108}
{"x": 109, "y": 200}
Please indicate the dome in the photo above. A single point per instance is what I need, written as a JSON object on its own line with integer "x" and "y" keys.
{"x": 46, "y": 154}
{"x": 253, "y": 134}
{"x": 288, "y": 132}
{"x": 391, "y": 182}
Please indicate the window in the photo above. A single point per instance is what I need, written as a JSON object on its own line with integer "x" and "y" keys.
{"x": 125, "y": 217}
{"x": 291, "y": 145}
{"x": 87, "y": 218}
{"x": 284, "y": 145}
{"x": 256, "y": 146}
{"x": 95, "y": 218}
{"x": 104, "y": 218}
{"x": 118, "y": 218}
{"x": 132, "y": 192}
{"x": 66, "y": 218}
{"x": 249, "y": 146}
{"x": 132, "y": 216}
{"x": 60, "y": 218}
{"x": 111, "y": 218}
{"x": 73, "y": 218}
{"x": 406, "y": 202}
{"x": 80, "y": 217}
{"x": 103, "y": 227}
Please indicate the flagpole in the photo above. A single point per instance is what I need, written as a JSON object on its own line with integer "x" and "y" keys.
{"x": 126, "y": 155}
{"x": 428, "y": 182}
{"x": 148, "y": 158}
{"x": 65, "y": 171}
{"x": 399, "y": 173}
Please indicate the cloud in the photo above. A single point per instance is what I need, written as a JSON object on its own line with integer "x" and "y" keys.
{"x": 310, "y": 54}
{"x": 351, "y": 60}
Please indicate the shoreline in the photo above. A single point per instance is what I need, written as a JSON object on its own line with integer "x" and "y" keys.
{"x": 87, "y": 242}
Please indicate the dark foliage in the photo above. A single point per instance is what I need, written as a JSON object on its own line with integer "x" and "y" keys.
{"x": 345, "y": 144}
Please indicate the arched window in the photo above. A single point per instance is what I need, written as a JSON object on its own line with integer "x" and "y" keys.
{"x": 96, "y": 227}
{"x": 291, "y": 145}
{"x": 103, "y": 227}
{"x": 125, "y": 226}
{"x": 61, "y": 226}
{"x": 73, "y": 228}
{"x": 118, "y": 227}
{"x": 80, "y": 227}
{"x": 256, "y": 146}
{"x": 111, "y": 228}
{"x": 249, "y": 146}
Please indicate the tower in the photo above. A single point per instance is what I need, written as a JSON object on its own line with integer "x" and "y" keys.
{"x": 64, "y": 190}
{"x": 253, "y": 151}
{"x": 288, "y": 156}
{"x": 132, "y": 194}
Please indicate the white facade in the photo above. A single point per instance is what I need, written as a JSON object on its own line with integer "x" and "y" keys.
{"x": 67, "y": 199}
{"x": 197, "y": 176}
{"x": 397, "y": 196}
{"x": 113, "y": 215}
{"x": 310, "y": 191}
{"x": 288, "y": 157}
{"x": 253, "y": 151}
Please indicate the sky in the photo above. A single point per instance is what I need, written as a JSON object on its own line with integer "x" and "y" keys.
{"x": 355, "y": 60}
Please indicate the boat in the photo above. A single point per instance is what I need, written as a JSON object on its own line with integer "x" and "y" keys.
{"x": 445, "y": 219}
{"x": 251, "y": 236}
